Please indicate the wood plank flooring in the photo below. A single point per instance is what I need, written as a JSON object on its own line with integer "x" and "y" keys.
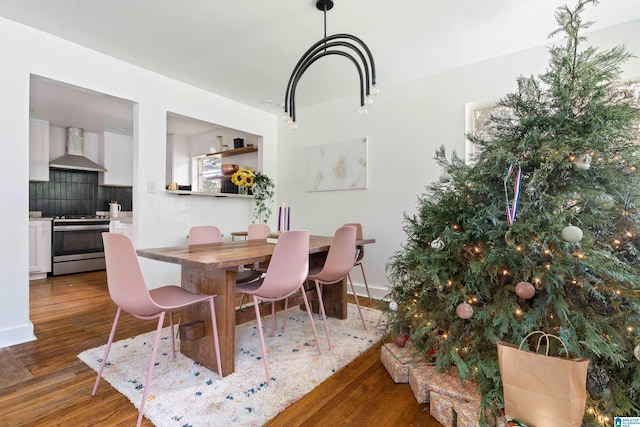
{"x": 74, "y": 313}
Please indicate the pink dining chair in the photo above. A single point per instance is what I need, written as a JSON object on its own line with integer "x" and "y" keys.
{"x": 203, "y": 234}
{"x": 254, "y": 232}
{"x": 129, "y": 292}
{"x": 285, "y": 276}
{"x": 360, "y": 256}
{"x": 336, "y": 267}
{"x": 258, "y": 231}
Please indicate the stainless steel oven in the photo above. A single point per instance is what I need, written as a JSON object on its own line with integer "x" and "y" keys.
{"x": 77, "y": 244}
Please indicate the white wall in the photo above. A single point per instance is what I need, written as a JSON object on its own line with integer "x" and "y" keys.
{"x": 160, "y": 219}
{"x": 405, "y": 125}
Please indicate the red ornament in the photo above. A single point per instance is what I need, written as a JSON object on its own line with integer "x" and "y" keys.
{"x": 400, "y": 341}
{"x": 525, "y": 290}
{"x": 464, "y": 310}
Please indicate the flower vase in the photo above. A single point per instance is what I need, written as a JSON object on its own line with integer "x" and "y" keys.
{"x": 243, "y": 190}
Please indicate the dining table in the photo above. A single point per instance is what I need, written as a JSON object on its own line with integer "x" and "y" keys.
{"x": 212, "y": 269}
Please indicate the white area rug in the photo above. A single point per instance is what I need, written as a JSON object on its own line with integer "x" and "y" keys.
{"x": 184, "y": 393}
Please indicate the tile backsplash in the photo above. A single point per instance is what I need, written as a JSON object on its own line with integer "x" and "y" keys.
{"x": 75, "y": 193}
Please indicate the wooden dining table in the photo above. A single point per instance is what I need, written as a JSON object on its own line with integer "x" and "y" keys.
{"x": 212, "y": 269}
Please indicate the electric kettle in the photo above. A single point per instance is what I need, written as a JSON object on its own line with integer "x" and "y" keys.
{"x": 114, "y": 210}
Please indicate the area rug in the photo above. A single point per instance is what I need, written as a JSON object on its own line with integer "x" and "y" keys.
{"x": 184, "y": 393}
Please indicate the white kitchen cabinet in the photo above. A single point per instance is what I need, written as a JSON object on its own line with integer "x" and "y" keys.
{"x": 116, "y": 155}
{"x": 39, "y": 249}
{"x": 38, "y": 150}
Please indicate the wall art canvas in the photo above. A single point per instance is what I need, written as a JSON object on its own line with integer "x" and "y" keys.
{"x": 337, "y": 166}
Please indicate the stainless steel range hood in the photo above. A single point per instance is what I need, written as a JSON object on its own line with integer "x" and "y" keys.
{"x": 74, "y": 158}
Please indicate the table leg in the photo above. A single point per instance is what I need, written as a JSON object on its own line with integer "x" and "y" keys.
{"x": 202, "y": 350}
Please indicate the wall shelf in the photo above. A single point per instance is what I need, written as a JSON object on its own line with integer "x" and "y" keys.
{"x": 234, "y": 151}
{"x": 208, "y": 194}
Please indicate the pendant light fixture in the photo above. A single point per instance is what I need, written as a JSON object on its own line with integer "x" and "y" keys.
{"x": 345, "y": 45}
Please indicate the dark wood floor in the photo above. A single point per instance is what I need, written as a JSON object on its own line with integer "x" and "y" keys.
{"x": 74, "y": 313}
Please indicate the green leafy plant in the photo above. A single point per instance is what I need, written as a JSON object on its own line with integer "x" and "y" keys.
{"x": 263, "y": 191}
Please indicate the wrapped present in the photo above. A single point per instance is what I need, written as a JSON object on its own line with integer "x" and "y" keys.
{"x": 421, "y": 376}
{"x": 454, "y": 403}
{"x": 398, "y": 360}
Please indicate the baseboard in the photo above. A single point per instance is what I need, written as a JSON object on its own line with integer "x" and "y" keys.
{"x": 376, "y": 292}
{"x": 17, "y": 335}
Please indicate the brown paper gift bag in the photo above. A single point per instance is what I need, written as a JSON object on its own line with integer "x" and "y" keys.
{"x": 540, "y": 390}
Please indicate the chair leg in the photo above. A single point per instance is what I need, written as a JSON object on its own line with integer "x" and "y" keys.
{"x": 274, "y": 321}
{"x": 106, "y": 350}
{"x": 313, "y": 325}
{"x": 324, "y": 316}
{"x": 241, "y": 301}
{"x": 216, "y": 342}
{"x": 264, "y": 349}
{"x": 366, "y": 285}
{"x": 357, "y": 303}
{"x": 284, "y": 314}
{"x": 173, "y": 335}
{"x": 147, "y": 382}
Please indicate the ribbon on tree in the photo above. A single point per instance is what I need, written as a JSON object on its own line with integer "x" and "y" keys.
{"x": 512, "y": 207}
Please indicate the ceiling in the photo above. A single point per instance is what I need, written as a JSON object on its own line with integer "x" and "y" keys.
{"x": 246, "y": 49}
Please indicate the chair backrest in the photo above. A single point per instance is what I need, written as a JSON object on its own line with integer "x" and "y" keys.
{"x": 203, "y": 234}
{"x": 360, "y": 250}
{"x": 289, "y": 265}
{"x": 258, "y": 231}
{"x": 339, "y": 260}
{"x": 127, "y": 287}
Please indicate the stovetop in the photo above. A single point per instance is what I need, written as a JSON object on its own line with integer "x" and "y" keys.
{"x": 81, "y": 217}
{"x": 63, "y": 218}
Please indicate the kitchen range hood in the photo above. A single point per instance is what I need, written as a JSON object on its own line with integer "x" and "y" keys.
{"x": 74, "y": 158}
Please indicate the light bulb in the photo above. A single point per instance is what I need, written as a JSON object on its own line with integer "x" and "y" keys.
{"x": 362, "y": 111}
{"x": 368, "y": 100}
{"x": 294, "y": 125}
{"x": 374, "y": 89}
{"x": 290, "y": 120}
{"x": 285, "y": 116}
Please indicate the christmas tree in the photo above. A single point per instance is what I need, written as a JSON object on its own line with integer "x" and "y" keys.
{"x": 538, "y": 232}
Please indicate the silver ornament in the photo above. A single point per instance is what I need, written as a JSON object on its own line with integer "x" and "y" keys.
{"x": 571, "y": 233}
{"x": 437, "y": 244}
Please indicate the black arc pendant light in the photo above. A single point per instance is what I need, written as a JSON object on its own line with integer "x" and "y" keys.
{"x": 345, "y": 45}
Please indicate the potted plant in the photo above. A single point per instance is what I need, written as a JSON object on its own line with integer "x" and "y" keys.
{"x": 263, "y": 190}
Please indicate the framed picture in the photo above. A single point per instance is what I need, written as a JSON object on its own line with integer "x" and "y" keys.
{"x": 337, "y": 166}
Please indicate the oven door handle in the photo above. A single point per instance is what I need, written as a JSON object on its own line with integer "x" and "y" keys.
{"x": 80, "y": 227}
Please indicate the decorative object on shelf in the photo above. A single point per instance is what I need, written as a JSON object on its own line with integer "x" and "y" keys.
{"x": 243, "y": 177}
{"x": 238, "y": 142}
{"x": 284, "y": 218}
{"x": 331, "y": 45}
{"x": 229, "y": 169}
